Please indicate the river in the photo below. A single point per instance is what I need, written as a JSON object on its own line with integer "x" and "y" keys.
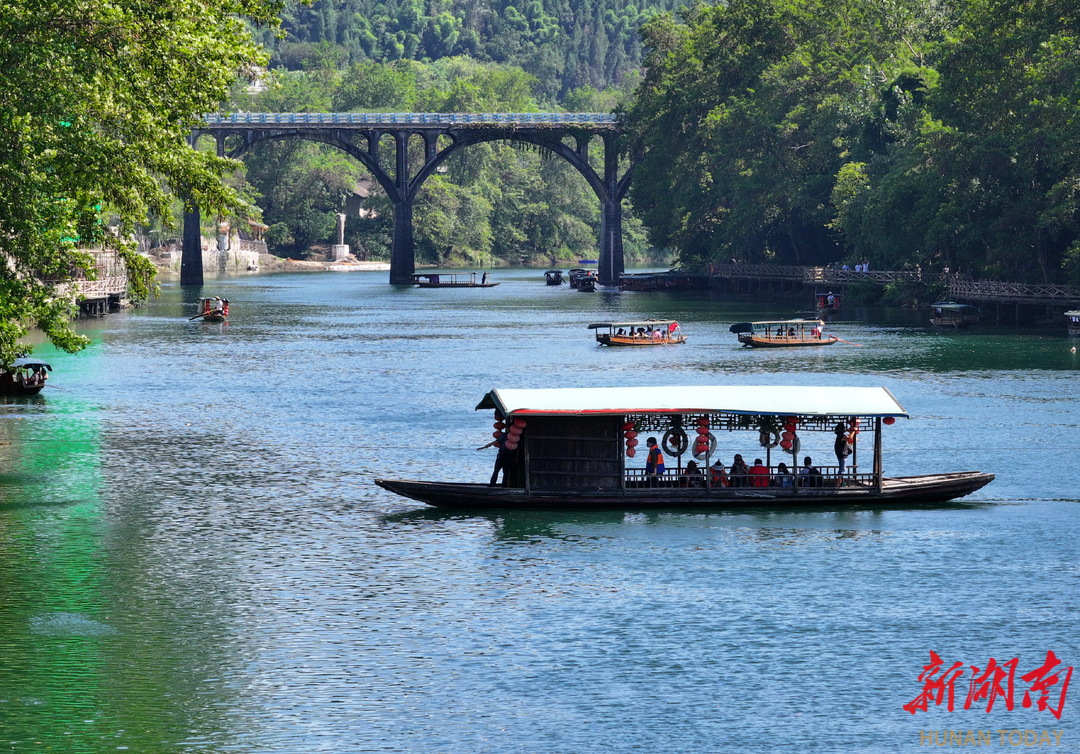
{"x": 193, "y": 556}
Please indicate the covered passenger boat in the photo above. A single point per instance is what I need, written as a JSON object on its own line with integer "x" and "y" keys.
{"x": 452, "y": 280}
{"x": 827, "y": 303}
{"x": 574, "y": 448}
{"x": 652, "y": 332}
{"x": 25, "y": 376}
{"x": 213, "y": 309}
{"x": 1072, "y": 321}
{"x": 783, "y": 333}
{"x": 553, "y": 277}
{"x": 952, "y": 314}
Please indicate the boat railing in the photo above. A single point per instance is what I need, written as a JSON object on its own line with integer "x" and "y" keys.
{"x": 674, "y": 478}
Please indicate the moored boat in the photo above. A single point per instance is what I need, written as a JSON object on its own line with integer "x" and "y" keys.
{"x": 568, "y": 448}
{"x": 653, "y": 332}
{"x": 1072, "y": 321}
{"x": 952, "y": 314}
{"x": 827, "y": 303}
{"x": 451, "y": 280}
{"x": 25, "y": 376}
{"x": 783, "y": 333}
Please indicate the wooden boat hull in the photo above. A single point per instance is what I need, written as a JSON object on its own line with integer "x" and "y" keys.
{"x": 12, "y": 387}
{"x": 930, "y": 488}
{"x": 456, "y": 285}
{"x": 605, "y": 340}
{"x": 756, "y": 342}
{"x": 211, "y": 318}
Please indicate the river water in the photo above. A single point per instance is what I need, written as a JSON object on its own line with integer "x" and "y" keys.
{"x": 193, "y": 556}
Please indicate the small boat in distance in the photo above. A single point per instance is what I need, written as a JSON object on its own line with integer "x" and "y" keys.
{"x": 1072, "y": 319}
{"x": 452, "y": 280}
{"x": 553, "y": 277}
{"x": 25, "y": 376}
{"x": 569, "y": 449}
{"x": 783, "y": 333}
{"x": 827, "y": 303}
{"x": 213, "y": 309}
{"x": 652, "y": 332}
{"x": 583, "y": 278}
{"x": 952, "y": 314}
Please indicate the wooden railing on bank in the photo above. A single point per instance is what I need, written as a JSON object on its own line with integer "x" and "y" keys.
{"x": 111, "y": 279}
{"x": 961, "y": 288}
{"x": 1012, "y": 293}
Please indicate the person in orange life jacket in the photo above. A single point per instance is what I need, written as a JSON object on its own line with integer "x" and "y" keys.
{"x": 758, "y": 475}
{"x": 654, "y": 462}
{"x": 718, "y": 475}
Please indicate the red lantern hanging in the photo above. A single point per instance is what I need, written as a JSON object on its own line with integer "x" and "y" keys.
{"x": 631, "y": 443}
{"x": 630, "y": 452}
{"x": 889, "y": 420}
{"x": 511, "y": 445}
{"x": 520, "y": 423}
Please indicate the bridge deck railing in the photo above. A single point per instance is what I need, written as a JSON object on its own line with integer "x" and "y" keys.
{"x": 408, "y": 119}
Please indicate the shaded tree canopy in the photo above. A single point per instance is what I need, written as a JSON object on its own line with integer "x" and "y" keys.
{"x": 97, "y": 101}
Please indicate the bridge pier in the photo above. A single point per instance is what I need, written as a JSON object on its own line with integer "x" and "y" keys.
{"x": 403, "y": 253}
{"x": 191, "y": 262}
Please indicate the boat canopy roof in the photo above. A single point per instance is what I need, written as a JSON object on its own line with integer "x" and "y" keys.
{"x": 750, "y": 326}
{"x": 700, "y": 399}
{"x": 28, "y": 363}
{"x": 952, "y": 305}
{"x": 1073, "y": 313}
{"x": 645, "y": 323}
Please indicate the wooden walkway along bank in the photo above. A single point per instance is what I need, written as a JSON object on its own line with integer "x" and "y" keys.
{"x": 777, "y": 278}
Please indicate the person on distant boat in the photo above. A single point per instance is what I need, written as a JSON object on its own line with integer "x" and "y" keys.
{"x": 815, "y": 332}
{"x": 809, "y": 474}
{"x": 654, "y": 462}
{"x": 718, "y": 475}
{"x": 737, "y": 477}
{"x": 758, "y": 475}
{"x": 791, "y": 332}
{"x": 225, "y": 307}
{"x": 783, "y": 476}
{"x": 621, "y": 333}
{"x": 483, "y": 279}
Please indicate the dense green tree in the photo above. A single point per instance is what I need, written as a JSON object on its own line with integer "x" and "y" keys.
{"x": 96, "y": 103}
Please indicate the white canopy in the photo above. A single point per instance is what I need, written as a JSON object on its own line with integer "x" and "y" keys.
{"x": 734, "y": 399}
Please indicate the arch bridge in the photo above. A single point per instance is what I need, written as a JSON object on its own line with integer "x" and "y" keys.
{"x": 362, "y": 135}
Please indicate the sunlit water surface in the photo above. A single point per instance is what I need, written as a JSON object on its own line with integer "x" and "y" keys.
{"x": 193, "y": 556}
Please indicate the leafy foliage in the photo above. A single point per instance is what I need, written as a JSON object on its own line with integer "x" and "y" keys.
{"x": 96, "y": 103}
{"x": 904, "y": 134}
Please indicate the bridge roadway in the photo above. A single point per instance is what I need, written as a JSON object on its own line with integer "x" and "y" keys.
{"x": 361, "y": 134}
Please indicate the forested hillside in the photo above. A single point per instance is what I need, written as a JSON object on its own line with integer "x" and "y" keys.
{"x": 907, "y": 133}
{"x": 564, "y": 44}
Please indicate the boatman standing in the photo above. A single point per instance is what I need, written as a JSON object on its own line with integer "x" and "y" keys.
{"x": 654, "y": 463}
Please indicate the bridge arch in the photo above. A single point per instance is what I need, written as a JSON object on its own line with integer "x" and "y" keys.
{"x": 360, "y": 134}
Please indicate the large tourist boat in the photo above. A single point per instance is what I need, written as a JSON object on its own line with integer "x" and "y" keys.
{"x": 652, "y": 332}
{"x": 572, "y": 448}
{"x": 451, "y": 280}
{"x": 952, "y": 314}
{"x": 25, "y": 376}
{"x": 784, "y": 333}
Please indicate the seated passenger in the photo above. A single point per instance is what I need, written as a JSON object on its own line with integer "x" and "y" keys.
{"x": 718, "y": 475}
{"x": 739, "y": 470}
{"x": 758, "y": 475}
{"x": 809, "y": 474}
{"x": 692, "y": 476}
{"x": 783, "y": 476}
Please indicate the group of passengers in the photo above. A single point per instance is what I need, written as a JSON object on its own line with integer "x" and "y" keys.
{"x": 657, "y": 333}
{"x": 739, "y": 474}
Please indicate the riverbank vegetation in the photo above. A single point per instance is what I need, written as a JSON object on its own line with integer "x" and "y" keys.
{"x": 97, "y": 101}
{"x": 905, "y": 134}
